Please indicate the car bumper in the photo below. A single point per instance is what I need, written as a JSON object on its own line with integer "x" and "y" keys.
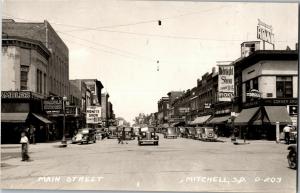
{"x": 148, "y": 141}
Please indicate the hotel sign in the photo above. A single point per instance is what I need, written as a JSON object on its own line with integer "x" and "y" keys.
{"x": 264, "y": 32}
{"x": 226, "y": 82}
{"x": 15, "y": 94}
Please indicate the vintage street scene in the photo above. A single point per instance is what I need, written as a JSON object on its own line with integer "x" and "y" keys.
{"x": 149, "y": 96}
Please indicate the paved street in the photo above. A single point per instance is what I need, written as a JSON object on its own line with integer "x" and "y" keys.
{"x": 175, "y": 165}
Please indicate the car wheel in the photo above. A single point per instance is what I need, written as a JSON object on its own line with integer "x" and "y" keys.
{"x": 139, "y": 143}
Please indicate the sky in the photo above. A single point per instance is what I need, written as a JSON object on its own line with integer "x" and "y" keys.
{"x": 138, "y": 61}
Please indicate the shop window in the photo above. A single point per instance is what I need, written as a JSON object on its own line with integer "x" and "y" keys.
{"x": 284, "y": 87}
{"x": 255, "y": 83}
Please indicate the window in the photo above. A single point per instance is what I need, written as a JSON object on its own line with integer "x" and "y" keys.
{"x": 284, "y": 87}
{"x": 255, "y": 83}
{"x": 38, "y": 81}
{"x": 24, "y": 77}
{"x": 45, "y": 83}
{"x": 248, "y": 88}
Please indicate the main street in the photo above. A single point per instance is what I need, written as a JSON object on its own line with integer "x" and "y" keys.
{"x": 175, "y": 165}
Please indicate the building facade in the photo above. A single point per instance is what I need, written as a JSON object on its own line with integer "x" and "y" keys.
{"x": 57, "y": 81}
{"x": 24, "y": 75}
{"x": 267, "y": 85}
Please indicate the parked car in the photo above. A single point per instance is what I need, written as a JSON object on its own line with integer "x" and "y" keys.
{"x": 88, "y": 135}
{"x": 100, "y": 133}
{"x": 208, "y": 134}
{"x": 292, "y": 156}
{"x": 77, "y": 137}
{"x": 182, "y": 131}
{"x": 198, "y": 133}
{"x": 170, "y": 133}
{"x": 148, "y": 135}
{"x": 191, "y": 132}
{"x": 112, "y": 132}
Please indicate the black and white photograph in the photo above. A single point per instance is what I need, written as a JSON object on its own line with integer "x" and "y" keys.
{"x": 149, "y": 95}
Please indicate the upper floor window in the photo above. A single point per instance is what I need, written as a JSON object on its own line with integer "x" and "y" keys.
{"x": 24, "y": 77}
{"x": 284, "y": 87}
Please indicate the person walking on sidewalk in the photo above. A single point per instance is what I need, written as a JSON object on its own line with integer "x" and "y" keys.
{"x": 287, "y": 130}
{"x": 24, "y": 147}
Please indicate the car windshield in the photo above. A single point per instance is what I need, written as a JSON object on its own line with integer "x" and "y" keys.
{"x": 209, "y": 129}
{"x": 147, "y": 129}
{"x": 171, "y": 130}
{"x": 127, "y": 129}
{"x": 112, "y": 128}
{"x": 192, "y": 130}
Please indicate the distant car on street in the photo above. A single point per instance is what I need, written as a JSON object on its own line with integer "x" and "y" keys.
{"x": 112, "y": 132}
{"x": 77, "y": 137}
{"x": 170, "y": 133}
{"x": 129, "y": 134}
{"x": 148, "y": 135}
{"x": 198, "y": 133}
{"x": 191, "y": 132}
{"x": 292, "y": 156}
{"x": 207, "y": 134}
{"x": 100, "y": 133}
{"x": 88, "y": 135}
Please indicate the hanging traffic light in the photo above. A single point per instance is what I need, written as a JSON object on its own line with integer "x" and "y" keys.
{"x": 157, "y": 65}
{"x": 159, "y": 22}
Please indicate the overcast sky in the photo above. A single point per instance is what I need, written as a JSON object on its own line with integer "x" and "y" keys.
{"x": 120, "y": 42}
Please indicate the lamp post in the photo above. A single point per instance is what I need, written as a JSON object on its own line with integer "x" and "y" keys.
{"x": 64, "y": 141}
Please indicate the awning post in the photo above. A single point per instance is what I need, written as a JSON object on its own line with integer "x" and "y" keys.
{"x": 277, "y": 132}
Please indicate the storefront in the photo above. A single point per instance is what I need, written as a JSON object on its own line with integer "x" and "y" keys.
{"x": 259, "y": 120}
{"x": 21, "y": 111}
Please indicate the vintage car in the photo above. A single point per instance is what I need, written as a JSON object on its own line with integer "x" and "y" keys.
{"x": 292, "y": 156}
{"x": 182, "y": 131}
{"x": 191, "y": 132}
{"x": 101, "y": 133}
{"x": 129, "y": 134}
{"x": 208, "y": 134}
{"x": 88, "y": 135}
{"x": 112, "y": 132}
{"x": 77, "y": 137}
{"x": 198, "y": 133}
{"x": 148, "y": 135}
{"x": 170, "y": 133}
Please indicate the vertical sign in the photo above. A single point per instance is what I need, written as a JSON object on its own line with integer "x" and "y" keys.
{"x": 93, "y": 114}
{"x": 265, "y": 33}
{"x": 226, "y": 82}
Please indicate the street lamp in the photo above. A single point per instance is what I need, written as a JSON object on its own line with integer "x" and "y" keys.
{"x": 64, "y": 141}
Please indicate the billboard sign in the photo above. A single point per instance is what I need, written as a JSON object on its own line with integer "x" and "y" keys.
{"x": 226, "y": 82}
{"x": 264, "y": 32}
{"x": 53, "y": 105}
{"x": 93, "y": 114}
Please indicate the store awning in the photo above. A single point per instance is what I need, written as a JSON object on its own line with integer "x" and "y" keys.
{"x": 278, "y": 114}
{"x": 14, "y": 117}
{"x": 41, "y": 118}
{"x": 245, "y": 116}
{"x": 200, "y": 120}
{"x": 174, "y": 124}
{"x": 219, "y": 120}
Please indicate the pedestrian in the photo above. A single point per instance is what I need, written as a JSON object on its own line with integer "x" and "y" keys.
{"x": 32, "y": 134}
{"x": 123, "y": 135}
{"x": 119, "y": 138}
{"x": 287, "y": 130}
{"x": 24, "y": 147}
